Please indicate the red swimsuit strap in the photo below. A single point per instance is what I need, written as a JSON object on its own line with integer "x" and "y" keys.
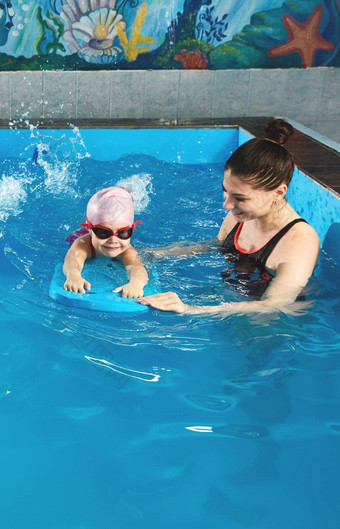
{"x": 270, "y": 244}
{"x": 237, "y": 233}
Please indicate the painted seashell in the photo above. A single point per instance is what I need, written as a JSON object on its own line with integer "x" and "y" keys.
{"x": 106, "y": 56}
{"x": 101, "y": 44}
{"x": 91, "y": 29}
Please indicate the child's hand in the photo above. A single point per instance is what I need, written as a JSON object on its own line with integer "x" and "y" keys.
{"x": 76, "y": 283}
{"x": 130, "y": 290}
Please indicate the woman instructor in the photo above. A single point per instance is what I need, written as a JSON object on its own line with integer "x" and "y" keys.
{"x": 261, "y": 229}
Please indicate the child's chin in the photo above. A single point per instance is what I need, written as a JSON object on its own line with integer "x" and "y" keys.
{"x": 112, "y": 252}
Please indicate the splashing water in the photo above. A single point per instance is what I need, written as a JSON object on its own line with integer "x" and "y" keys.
{"x": 140, "y": 187}
{"x": 56, "y": 157}
{"x": 52, "y": 167}
{"x": 12, "y": 195}
{"x": 58, "y": 177}
{"x": 64, "y": 147}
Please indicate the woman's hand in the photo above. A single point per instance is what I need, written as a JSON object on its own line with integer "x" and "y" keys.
{"x": 168, "y": 301}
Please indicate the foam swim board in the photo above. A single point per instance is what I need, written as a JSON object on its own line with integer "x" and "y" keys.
{"x": 104, "y": 277}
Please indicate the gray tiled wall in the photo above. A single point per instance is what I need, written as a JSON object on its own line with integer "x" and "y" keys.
{"x": 308, "y": 96}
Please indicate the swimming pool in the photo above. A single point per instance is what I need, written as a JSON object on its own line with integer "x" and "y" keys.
{"x": 113, "y": 421}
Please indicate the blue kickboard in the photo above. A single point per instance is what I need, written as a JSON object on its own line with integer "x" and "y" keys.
{"x": 104, "y": 277}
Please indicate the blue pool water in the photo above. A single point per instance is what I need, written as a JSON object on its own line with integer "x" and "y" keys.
{"x": 115, "y": 421}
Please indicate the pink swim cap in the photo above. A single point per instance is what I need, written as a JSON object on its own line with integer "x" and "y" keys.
{"x": 109, "y": 205}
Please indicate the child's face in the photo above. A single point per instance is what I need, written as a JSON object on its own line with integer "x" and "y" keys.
{"x": 113, "y": 246}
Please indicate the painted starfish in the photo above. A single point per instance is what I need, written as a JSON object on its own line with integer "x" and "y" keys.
{"x": 303, "y": 38}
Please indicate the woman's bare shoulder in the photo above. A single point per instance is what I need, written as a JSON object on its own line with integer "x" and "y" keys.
{"x": 299, "y": 245}
{"x": 302, "y": 232}
{"x": 226, "y": 226}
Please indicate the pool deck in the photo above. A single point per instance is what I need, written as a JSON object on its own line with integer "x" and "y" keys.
{"x": 319, "y": 161}
{"x": 316, "y": 159}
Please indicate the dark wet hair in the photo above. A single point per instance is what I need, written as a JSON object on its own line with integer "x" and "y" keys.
{"x": 263, "y": 162}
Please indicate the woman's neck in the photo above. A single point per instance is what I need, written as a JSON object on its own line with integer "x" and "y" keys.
{"x": 279, "y": 215}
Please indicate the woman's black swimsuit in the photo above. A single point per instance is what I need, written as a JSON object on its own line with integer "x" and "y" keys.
{"x": 247, "y": 270}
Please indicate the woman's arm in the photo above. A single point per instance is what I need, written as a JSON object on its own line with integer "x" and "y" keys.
{"x": 188, "y": 248}
{"x": 170, "y": 301}
{"x": 138, "y": 276}
{"x": 291, "y": 277}
{"x": 74, "y": 263}
{"x": 182, "y": 249}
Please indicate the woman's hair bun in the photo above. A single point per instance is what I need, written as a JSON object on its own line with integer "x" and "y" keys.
{"x": 278, "y": 130}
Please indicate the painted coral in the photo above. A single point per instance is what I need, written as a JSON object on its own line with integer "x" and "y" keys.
{"x": 192, "y": 60}
{"x": 133, "y": 47}
{"x": 91, "y": 30}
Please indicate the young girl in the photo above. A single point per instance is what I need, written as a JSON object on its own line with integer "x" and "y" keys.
{"x": 109, "y": 224}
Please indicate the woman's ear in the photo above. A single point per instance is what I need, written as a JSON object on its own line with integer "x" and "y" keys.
{"x": 280, "y": 192}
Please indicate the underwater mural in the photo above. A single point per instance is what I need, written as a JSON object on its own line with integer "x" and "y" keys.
{"x": 171, "y": 34}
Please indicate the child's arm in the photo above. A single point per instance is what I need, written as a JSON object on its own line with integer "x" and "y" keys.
{"x": 74, "y": 263}
{"x": 138, "y": 276}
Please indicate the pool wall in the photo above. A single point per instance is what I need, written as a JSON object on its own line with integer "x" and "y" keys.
{"x": 309, "y": 96}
